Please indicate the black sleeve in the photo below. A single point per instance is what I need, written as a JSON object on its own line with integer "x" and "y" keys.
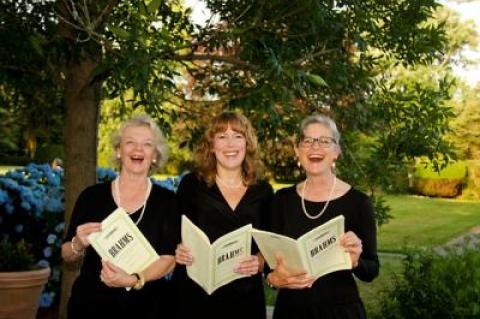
{"x": 366, "y": 229}
{"x": 184, "y": 196}
{"x": 266, "y": 207}
{"x": 171, "y": 232}
{"x": 275, "y": 219}
{"x": 78, "y": 215}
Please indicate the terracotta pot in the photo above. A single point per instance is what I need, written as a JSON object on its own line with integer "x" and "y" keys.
{"x": 20, "y": 293}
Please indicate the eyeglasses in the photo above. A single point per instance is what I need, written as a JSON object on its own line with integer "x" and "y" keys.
{"x": 323, "y": 141}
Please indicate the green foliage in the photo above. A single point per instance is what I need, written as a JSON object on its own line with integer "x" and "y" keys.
{"x": 435, "y": 286}
{"x": 447, "y": 182}
{"x": 453, "y": 170}
{"x": 472, "y": 191}
{"x": 15, "y": 256}
{"x": 30, "y": 92}
{"x": 465, "y": 128}
{"x": 390, "y": 265}
{"x": 438, "y": 187}
{"x": 111, "y": 116}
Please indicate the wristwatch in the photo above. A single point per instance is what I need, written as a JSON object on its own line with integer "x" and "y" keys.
{"x": 140, "y": 281}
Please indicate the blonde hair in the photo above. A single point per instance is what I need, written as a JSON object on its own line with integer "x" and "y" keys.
{"x": 205, "y": 160}
{"x": 159, "y": 141}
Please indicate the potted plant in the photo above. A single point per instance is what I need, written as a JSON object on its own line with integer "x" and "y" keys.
{"x": 21, "y": 281}
{"x": 31, "y": 213}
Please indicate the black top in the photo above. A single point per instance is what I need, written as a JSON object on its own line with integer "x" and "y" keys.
{"x": 90, "y": 297}
{"x": 207, "y": 208}
{"x": 334, "y": 295}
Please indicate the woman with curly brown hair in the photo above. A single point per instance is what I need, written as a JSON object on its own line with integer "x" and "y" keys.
{"x": 225, "y": 193}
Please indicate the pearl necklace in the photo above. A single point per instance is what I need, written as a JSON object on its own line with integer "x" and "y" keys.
{"x": 116, "y": 185}
{"x": 326, "y": 204}
{"x": 227, "y": 185}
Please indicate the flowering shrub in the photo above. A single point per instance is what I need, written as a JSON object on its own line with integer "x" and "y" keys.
{"x": 31, "y": 209}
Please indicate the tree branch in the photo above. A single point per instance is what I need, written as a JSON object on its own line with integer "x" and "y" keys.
{"x": 213, "y": 57}
{"x": 105, "y": 12}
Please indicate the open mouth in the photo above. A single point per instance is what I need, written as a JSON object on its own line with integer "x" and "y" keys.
{"x": 137, "y": 159}
{"x": 230, "y": 154}
{"x": 315, "y": 158}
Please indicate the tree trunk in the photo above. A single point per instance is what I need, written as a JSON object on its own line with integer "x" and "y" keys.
{"x": 82, "y": 102}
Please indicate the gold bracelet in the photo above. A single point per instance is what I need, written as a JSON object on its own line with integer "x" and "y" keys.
{"x": 140, "y": 281}
{"x": 74, "y": 250}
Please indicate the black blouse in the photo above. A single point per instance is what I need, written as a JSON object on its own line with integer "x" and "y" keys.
{"x": 338, "y": 287}
{"x": 90, "y": 297}
{"x": 207, "y": 208}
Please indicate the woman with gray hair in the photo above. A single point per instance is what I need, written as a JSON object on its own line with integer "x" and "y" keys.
{"x": 310, "y": 203}
{"x": 99, "y": 292}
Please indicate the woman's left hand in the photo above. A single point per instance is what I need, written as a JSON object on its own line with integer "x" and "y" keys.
{"x": 250, "y": 265}
{"x": 113, "y": 276}
{"x": 352, "y": 245}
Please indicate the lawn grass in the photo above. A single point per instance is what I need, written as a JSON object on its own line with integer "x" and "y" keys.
{"x": 425, "y": 222}
{"x": 370, "y": 292}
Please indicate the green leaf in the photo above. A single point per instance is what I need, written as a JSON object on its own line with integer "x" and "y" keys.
{"x": 142, "y": 8}
{"x": 119, "y": 32}
{"x": 316, "y": 79}
{"x": 154, "y": 5}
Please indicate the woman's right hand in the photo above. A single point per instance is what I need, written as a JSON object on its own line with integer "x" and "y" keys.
{"x": 83, "y": 231}
{"x": 183, "y": 255}
{"x": 282, "y": 277}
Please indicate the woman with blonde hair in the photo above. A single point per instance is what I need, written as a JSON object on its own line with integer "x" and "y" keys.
{"x": 102, "y": 290}
{"x": 225, "y": 193}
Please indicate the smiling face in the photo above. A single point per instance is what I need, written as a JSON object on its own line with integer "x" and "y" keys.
{"x": 229, "y": 148}
{"x": 317, "y": 150}
{"x": 137, "y": 150}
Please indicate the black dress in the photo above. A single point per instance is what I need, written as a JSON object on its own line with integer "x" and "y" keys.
{"x": 334, "y": 295}
{"x": 90, "y": 297}
{"x": 207, "y": 208}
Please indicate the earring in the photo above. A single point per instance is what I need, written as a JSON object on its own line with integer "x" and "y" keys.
{"x": 154, "y": 161}
{"x": 299, "y": 165}
{"x": 118, "y": 156}
{"x": 334, "y": 168}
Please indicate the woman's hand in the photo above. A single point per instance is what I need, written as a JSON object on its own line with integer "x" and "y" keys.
{"x": 352, "y": 245}
{"x": 82, "y": 234}
{"x": 282, "y": 277}
{"x": 249, "y": 265}
{"x": 113, "y": 276}
{"x": 183, "y": 256}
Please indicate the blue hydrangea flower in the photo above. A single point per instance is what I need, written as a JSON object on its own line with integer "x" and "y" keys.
{"x": 42, "y": 263}
{"x": 9, "y": 208}
{"x": 60, "y": 227}
{"x": 47, "y": 298}
{"x": 3, "y": 197}
{"x": 47, "y": 252}
{"x": 19, "y": 228}
{"x": 51, "y": 239}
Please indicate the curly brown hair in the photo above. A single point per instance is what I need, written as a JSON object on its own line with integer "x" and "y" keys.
{"x": 205, "y": 160}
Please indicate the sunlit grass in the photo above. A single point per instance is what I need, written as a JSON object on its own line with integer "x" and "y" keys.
{"x": 426, "y": 222}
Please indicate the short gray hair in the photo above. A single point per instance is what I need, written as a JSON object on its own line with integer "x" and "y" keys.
{"x": 321, "y": 119}
{"x": 159, "y": 140}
